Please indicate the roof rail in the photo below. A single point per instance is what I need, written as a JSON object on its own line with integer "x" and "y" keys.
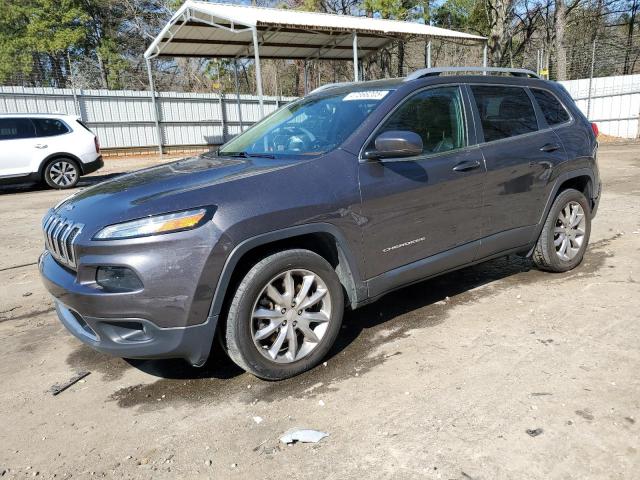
{"x": 434, "y": 72}
{"x": 326, "y": 86}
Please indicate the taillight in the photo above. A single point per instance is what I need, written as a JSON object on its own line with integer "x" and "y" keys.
{"x": 97, "y": 143}
{"x": 594, "y": 127}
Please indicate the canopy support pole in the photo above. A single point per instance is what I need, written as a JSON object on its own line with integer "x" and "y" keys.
{"x": 256, "y": 56}
{"x": 484, "y": 57}
{"x": 235, "y": 75}
{"x": 355, "y": 57}
{"x": 429, "y": 54}
{"x": 154, "y": 106}
{"x": 306, "y": 78}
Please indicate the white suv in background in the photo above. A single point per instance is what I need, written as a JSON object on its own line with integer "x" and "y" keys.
{"x": 53, "y": 148}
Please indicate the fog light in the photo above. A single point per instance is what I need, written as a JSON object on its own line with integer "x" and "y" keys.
{"x": 118, "y": 279}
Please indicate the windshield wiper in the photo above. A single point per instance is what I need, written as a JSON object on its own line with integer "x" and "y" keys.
{"x": 246, "y": 155}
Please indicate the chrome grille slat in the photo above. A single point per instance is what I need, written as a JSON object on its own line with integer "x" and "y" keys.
{"x": 66, "y": 231}
{"x": 52, "y": 225}
{"x": 60, "y": 235}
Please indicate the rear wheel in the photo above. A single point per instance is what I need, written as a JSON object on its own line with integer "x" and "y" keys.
{"x": 285, "y": 315}
{"x": 565, "y": 234}
{"x": 61, "y": 173}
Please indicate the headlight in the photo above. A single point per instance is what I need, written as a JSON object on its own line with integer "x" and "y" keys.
{"x": 167, "y": 223}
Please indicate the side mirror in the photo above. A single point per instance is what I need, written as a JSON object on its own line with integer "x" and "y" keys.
{"x": 396, "y": 144}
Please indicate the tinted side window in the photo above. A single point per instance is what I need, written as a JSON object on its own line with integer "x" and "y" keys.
{"x": 504, "y": 111}
{"x": 436, "y": 115}
{"x": 49, "y": 127}
{"x": 553, "y": 111}
{"x": 15, "y": 128}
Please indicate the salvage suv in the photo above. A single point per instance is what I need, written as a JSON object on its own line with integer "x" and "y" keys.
{"x": 328, "y": 203}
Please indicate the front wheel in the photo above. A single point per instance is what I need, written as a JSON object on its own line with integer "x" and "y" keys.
{"x": 61, "y": 173}
{"x": 565, "y": 234}
{"x": 285, "y": 315}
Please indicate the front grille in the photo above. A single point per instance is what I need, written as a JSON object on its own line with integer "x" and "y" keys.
{"x": 59, "y": 237}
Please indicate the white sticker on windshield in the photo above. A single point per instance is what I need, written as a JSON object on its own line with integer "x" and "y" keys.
{"x": 367, "y": 95}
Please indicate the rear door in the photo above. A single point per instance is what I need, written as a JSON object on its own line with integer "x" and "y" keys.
{"x": 52, "y": 138}
{"x": 16, "y": 146}
{"x": 520, "y": 151}
{"x": 414, "y": 208}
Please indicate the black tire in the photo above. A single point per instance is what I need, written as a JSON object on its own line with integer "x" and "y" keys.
{"x": 545, "y": 255}
{"x": 61, "y": 173}
{"x": 239, "y": 338}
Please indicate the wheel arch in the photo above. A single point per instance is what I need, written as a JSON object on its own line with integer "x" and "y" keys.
{"x": 56, "y": 156}
{"x": 581, "y": 179}
{"x": 322, "y": 238}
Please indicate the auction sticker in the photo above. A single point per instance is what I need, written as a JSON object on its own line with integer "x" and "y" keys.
{"x": 367, "y": 95}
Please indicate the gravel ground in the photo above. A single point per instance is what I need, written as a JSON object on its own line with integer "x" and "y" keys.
{"x": 439, "y": 380}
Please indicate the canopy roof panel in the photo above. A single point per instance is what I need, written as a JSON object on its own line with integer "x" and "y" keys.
{"x": 219, "y": 30}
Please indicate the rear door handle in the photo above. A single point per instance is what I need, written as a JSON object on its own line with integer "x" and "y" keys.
{"x": 466, "y": 166}
{"x": 41, "y": 145}
{"x": 549, "y": 147}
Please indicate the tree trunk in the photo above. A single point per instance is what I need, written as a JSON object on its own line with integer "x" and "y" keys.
{"x": 560, "y": 21}
{"x": 498, "y": 12}
{"x": 103, "y": 72}
{"x": 401, "y": 58}
{"x": 632, "y": 18}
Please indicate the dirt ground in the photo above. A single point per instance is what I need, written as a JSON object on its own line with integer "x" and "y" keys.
{"x": 439, "y": 380}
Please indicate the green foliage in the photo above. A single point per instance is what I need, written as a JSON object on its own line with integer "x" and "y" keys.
{"x": 394, "y": 9}
{"x": 38, "y": 34}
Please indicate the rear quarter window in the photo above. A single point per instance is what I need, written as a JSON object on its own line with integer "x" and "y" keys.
{"x": 49, "y": 127}
{"x": 553, "y": 110}
{"x": 504, "y": 111}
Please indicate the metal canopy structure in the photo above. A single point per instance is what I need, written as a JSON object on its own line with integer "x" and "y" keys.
{"x": 218, "y": 30}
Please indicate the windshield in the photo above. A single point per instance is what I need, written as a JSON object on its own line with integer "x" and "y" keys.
{"x": 310, "y": 126}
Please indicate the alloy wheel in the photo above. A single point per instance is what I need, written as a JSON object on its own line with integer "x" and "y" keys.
{"x": 63, "y": 173}
{"x": 291, "y": 316}
{"x": 568, "y": 235}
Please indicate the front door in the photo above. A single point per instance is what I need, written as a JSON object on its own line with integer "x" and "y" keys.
{"x": 417, "y": 207}
{"x": 16, "y": 146}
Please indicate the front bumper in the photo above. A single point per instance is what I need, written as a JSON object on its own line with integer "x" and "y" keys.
{"x": 139, "y": 338}
{"x": 147, "y": 324}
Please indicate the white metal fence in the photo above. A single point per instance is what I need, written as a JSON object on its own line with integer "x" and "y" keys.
{"x": 126, "y": 118}
{"x": 612, "y": 102}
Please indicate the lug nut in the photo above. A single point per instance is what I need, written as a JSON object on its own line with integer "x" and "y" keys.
{"x": 295, "y": 323}
{"x": 293, "y": 304}
{"x": 283, "y": 311}
{"x": 284, "y": 323}
{"x": 299, "y": 312}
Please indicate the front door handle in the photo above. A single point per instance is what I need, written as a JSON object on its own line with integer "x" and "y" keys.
{"x": 41, "y": 145}
{"x": 549, "y": 147}
{"x": 466, "y": 166}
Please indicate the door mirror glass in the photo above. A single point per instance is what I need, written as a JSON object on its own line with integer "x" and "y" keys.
{"x": 396, "y": 144}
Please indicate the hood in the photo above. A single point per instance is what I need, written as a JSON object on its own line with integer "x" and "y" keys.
{"x": 180, "y": 185}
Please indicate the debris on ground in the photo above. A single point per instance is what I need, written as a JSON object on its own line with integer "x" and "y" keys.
{"x": 258, "y": 420}
{"x": 586, "y": 414}
{"x": 535, "y": 432}
{"x": 303, "y": 435}
{"x": 61, "y": 387}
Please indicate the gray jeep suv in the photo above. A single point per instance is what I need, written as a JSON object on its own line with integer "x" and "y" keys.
{"x": 330, "y": 202}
